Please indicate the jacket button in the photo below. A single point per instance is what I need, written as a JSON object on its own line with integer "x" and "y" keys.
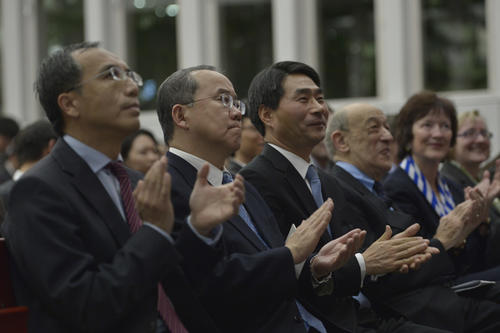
{"x": 297, "y": 318}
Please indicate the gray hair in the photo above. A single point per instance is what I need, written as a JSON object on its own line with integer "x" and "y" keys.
{"x": 338, "y": 122}
{"x": 178, "y": 88}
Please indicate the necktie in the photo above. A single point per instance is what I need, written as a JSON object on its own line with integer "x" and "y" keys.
{"x": 309, "y": 319}
{"x": 377, "y": 187}
{"x": 242, "y": 212}
{"x": 315, "y": 182}
{"x": 313, "y": 178}
{"x": 165, "y": 307}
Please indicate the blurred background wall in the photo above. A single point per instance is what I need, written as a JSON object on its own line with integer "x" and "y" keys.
{"x": 379, "y": 51}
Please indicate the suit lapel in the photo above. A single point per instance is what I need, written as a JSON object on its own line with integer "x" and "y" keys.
{"x": 91, "y": 189}
{"x": 188, "y": 172}
{"x": 295, "y": 182}
{"x": 267, "y": 229}
{"x": 398, "y": 220}
{"x": 292, "y": 178}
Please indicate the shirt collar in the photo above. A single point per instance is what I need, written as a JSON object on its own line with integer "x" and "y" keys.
{"x": 358, "y": 174}
{"x": 94, "y": 158}
{"x": 298, "y": 162}
{"x": 214, "y": 174}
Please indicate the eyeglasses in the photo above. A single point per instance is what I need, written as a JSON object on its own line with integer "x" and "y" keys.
{"x": 116, "y": 73}
{"x": 472, "y": 134}
{"x": 227, "y": 100}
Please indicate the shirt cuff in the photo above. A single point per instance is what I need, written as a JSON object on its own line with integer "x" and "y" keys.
{"x": 214, "y": 237}
{"x": 362, "y": 267}
{"x": 161, "y": 231}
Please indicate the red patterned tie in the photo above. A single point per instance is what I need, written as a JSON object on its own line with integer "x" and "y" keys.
{"x": 165, "y": 307}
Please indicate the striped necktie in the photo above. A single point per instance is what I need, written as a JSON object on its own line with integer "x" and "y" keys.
{"x": 165, "y": 307}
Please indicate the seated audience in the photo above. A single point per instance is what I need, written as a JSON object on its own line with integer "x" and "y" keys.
{"x": 359, "y": 139}
{"x": 471, "y": 150}
{"x": 82, "y": 258}
{"x": 262, "y": 285}
{"x": 140, "y": 150}
{"x": 288, "y": 107}
{"x": 426, "y": 131}
{"x": 250, "y": 146}
{"x": 8, "y": 161}
{"x": 31, "y": 144}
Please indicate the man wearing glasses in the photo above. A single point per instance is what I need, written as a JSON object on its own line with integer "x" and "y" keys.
{"x": 259, "y": 285}
{"x": 89, "y": 255}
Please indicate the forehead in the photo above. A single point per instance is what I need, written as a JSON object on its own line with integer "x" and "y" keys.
{"x": 211, "y": 82}
{"x": 364, "y": 115}
{"x": 294, "y": 83}
{"x": 473, "y": 122}
{"x": 436, "y": 115}
{"x": 94, "y": 60}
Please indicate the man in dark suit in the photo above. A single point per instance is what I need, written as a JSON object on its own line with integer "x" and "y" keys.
{"x": 83, "y": 261}
{"x": 262, "y": 285}
{"x": 359, "y": 140}
{"x": 288, "y": 108}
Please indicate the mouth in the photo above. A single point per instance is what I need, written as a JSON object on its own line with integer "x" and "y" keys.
{"x": 317, "y": 124}
{"x": 132, "y": 106}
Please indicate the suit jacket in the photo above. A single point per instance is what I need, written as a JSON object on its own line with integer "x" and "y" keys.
{"x": 454, "y": 173}
{"x": 406, "y": 195}
{"x": 419, "y": 295}
{"x": 291, "y": 201}
{"x": 76, "y": 265}
{"x": 5, "y": 189}
{"x": 254, "y": 288}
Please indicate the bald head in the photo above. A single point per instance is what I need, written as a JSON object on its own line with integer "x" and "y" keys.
{"x": 359, "y": 134}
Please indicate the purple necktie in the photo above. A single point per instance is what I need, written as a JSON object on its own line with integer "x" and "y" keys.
{"x": 165, "y": 307}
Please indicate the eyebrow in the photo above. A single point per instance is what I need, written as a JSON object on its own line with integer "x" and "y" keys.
{"x": 307, "y": 91}
{"x": 225, "y": 91}
{"x": 375, "y": 120}
{"x": 108, "y": 66}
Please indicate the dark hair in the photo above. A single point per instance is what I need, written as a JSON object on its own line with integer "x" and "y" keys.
{"x": 58, "y": 73}
{"x": 267, "y": 87}
{"x": 129, "y": 141}
{"x": 31, "y": 141}
{"x": 178, "y": 88}
{"x": 417, "y": 107}
{"x": 8, "y": 127}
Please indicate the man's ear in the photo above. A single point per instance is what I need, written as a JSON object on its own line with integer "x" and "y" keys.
{"x": 178, "y": 116}
{"x": 266, "y": 116}
{"x": 69, "y": 104}
{"x": 340, "y": 141}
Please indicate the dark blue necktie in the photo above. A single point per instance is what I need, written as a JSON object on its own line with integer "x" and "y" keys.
{"x": 379, "y": 191}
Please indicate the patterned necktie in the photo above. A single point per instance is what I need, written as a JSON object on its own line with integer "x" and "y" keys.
{"x": 377, "y": 187}
{"x": 315, "y": 182}
{"x": 165, "y": 307}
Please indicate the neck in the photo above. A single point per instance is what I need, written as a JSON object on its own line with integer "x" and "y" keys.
{"x": 471, "y": 168}
{"x": 242, "y": 157}
{"x": 26, "y": 166}
{"x": 302, "y": 151}
{"x": 373, "y": 174}
{"x": 430, "y": 170}
{"x": 196, "y": 148}
{"x": 107, "y": 144}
